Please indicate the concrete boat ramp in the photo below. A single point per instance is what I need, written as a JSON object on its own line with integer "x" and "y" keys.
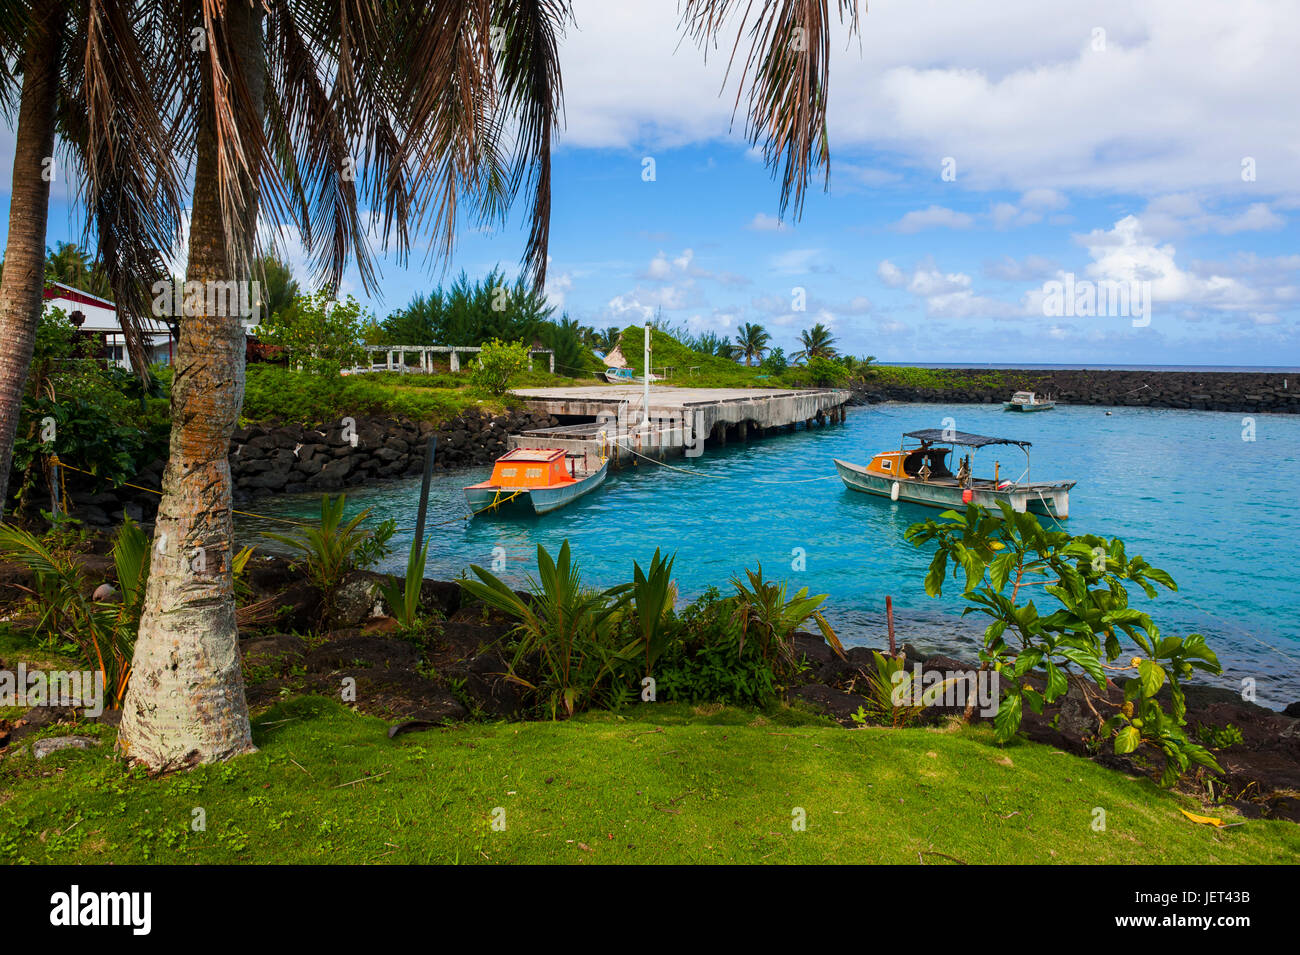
{"x": 612, "y": 419}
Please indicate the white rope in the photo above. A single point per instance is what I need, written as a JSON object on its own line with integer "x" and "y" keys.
{"x": 723, "y": 477}
{"x": 828, "y": 477}
{"x": 1047, "y": 507}
{"x": 716, "y": 477}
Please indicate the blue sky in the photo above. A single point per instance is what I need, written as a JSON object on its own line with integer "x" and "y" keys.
{"x": 1106, "y": 143}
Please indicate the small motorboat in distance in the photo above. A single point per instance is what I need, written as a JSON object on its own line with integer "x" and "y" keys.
{"x": 921, "y": 474}
{"x": 625, "y": 376}
{"x": 540, "y": 479}
{"x": 1028, "y": 401}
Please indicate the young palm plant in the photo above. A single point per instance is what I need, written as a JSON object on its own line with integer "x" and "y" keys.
{"x": 404, "y": 600}
{"x": 653, "y": 596}
{"x": 765, "y": 614}
{"x": 101, "y": 633}
{"x": 888, "y": 703}
{"x": 333, "y": 548}
{"x": 569, "y": 635}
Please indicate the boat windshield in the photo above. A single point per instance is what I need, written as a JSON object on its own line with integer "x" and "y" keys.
{"x": 936, "y": 459}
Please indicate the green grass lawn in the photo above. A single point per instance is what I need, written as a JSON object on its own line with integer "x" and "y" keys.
{"x": 662, "y": 783}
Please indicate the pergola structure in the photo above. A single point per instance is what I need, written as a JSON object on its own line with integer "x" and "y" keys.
{"x": 395, "y": 356}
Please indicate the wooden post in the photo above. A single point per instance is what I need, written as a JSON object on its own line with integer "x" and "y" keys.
{"x": 424, "y": 488}
{"x": 889, "y": 619}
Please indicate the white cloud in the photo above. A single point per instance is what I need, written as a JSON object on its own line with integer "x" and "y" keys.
{"x": 944, "y": 294}
{"x": 762, "y": 222}
{"x": 1014, "y": 91}
{"x": 798, "y": 262}
{"x": 659, "y": 268}
{"x": 891, "y": 274}
{"x": 558, "y": 288}
{"x": 625, "y": 308}
{"x": 1030, "y": 210}
{"x": 1126, "y": 253}
{"x": 935, "y": 217}
{"x": 1179, "y": 214}
{"x": 1030, "y": 268}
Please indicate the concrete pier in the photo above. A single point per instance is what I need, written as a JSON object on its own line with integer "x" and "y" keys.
{"x": 680, "y": 421}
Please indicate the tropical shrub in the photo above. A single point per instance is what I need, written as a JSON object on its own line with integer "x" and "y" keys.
{"x": 274, "y": 393}
{"x": 319, "y": 335}
{"x": 822, "y": 372}
{"x": 96, "y": 418}
{"x": 499, "y": 364}
{"x": 775, "y": 363}
{"x": 576, "y": 648}
{"x": 570, "y": 648}
{"x": 1087, "y": 576}
{"x": 1220, "y": 737}
{"x": 707, "y": 659}
{"x": 329, "y": 551}
{"x": 476, "y": 312}
{"x": 767, "y": 617}
{"x": 100, "y": 634}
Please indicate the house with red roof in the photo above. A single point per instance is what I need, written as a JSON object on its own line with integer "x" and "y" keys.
{"x": 96, "y": 318}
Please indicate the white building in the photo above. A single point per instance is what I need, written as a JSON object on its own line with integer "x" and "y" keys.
{"x": 97, "y": 317}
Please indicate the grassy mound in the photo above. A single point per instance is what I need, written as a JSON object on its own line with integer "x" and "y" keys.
{"x": 661, "y": 783}
{"x": 690, "y": 368}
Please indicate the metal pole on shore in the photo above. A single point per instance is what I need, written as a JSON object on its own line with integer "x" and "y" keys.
{"x": 645, "y": 408}
{"x": 424, "y": 488}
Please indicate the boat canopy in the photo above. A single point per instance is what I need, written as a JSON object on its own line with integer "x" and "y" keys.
{"x": 961, "y": 438}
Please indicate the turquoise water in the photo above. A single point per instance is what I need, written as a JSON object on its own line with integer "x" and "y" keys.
{"x": 1182, "y": 488}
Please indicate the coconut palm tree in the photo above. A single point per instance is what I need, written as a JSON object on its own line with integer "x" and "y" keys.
{"x": 71, "y": 264}
{"x": 39, "y": 35}
{"x": 817, "y": 342}
{"x": 279, "y": 288}
{"x": 451, "y": 107}
{"x": 751, "y": 342}
{"x": 607, "y": 340}
{"x": 84, "y": 76}
{"x": 857, "y": 367}
{"x": 279, "y": 109}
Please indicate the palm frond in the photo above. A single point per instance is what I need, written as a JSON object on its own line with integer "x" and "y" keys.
{"x": 785, "y": 73}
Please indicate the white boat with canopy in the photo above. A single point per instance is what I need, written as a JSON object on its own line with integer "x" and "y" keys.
{"x": 921, "y": 472}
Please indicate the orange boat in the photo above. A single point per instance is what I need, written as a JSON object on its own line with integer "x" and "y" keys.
{"x": 544, "y": 479}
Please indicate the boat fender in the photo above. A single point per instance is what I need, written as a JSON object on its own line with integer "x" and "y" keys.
{"x": 893, "y": 492}
{"x": 967, "y": 496}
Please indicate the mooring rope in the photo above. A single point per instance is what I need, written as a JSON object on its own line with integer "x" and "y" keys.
{"x": 138, "y": 487}
{"x": 285, "y": 520}
{"x": 716, "y": 477}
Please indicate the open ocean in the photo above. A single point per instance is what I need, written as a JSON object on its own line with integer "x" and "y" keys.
{"x": 1182, "y": 488}
{"x": 1033, "y": 366}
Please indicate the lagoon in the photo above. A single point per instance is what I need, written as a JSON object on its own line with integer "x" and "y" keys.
{"x": 1185, "y": 489}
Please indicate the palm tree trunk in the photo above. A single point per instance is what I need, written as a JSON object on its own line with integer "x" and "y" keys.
{"x": 23, "y": 282}
{"x": 185, "y": 704}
